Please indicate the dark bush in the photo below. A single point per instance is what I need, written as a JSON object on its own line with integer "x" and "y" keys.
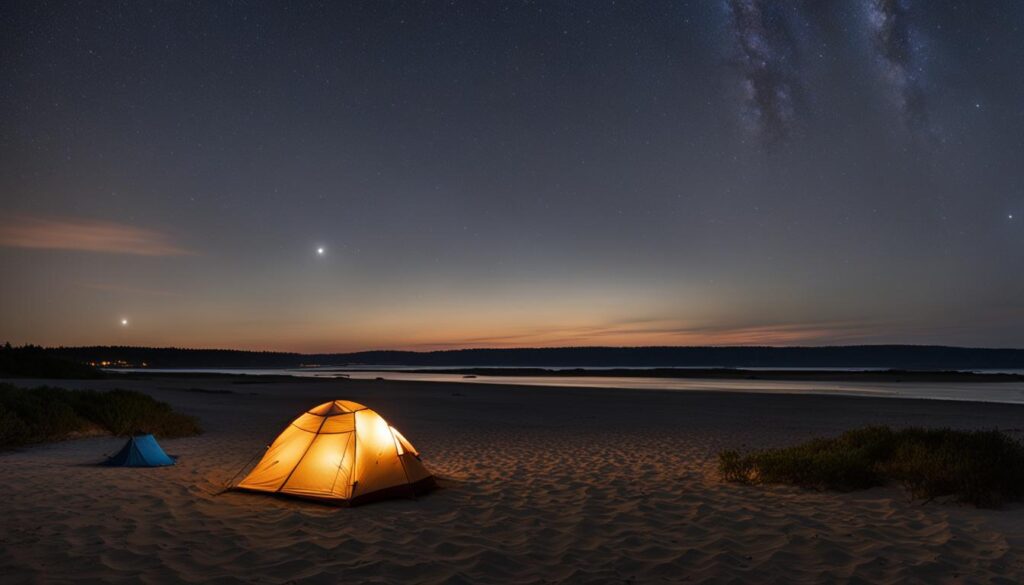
{"x": 124, "y": 412}
{"x": 46, "y": 414}
{"x": 984, "y": 468}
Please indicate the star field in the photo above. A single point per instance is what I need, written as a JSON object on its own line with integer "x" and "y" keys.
{"x": 448, "y": 174}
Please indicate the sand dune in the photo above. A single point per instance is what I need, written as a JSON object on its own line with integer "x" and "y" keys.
{"x": 540, "y": 485}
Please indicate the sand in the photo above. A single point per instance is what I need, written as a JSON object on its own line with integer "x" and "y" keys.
{"x": 541, "y": 485}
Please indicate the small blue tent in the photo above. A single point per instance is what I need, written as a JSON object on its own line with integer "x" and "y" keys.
{"x": 140, "y": 451}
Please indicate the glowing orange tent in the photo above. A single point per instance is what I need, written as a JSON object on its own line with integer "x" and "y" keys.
{"x": 340, "y": 452}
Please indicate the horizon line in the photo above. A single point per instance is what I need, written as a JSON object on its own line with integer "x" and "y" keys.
{"x": 536, "y": 348}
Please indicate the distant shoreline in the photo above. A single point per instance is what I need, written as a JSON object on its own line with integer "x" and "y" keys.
{"x": 791, "y": 375}
{"x": 897, "y": 357}
{"x": 738, "y": 374}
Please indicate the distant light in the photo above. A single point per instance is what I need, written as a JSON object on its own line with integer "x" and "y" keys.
{"x": 320, "y": 251}
{"x": 124, "y": 322}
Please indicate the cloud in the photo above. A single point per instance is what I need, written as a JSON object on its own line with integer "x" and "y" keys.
{"x": 85, "y": 235}
{"x": 130, "y": 290}
{"x": 669, "y": 332}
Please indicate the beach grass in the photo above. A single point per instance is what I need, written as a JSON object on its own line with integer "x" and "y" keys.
{"x": 45, "y": 413}
{"x": 984, "y": 468}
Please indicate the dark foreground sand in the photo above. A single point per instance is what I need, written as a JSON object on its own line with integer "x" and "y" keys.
{"x": 542, "y": 485}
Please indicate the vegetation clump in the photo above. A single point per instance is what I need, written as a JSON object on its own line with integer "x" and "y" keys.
{"x": 47, "y": 414}
{"x": 984, "y": 468}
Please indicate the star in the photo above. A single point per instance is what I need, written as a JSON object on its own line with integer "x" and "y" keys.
{"x": 124, "y": 322}
{"x": 320, "y": 251}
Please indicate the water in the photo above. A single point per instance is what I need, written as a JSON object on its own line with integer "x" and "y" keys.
{"x": 1003, "y": 392}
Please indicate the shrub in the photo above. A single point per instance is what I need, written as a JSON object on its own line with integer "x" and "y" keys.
{"x": 45, "y": 414}
{"x": 123, "y": 412}
{"x": 984, "y": 468}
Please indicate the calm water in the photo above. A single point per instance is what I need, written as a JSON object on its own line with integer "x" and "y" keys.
{"x": 1006, "y": 392}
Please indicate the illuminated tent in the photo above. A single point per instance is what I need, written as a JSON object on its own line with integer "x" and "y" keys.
{"x": 340, "y": 452}
{"x": 140, "y": 451}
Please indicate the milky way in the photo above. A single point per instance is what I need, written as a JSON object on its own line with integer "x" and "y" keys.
{"x": 767, "y": 47}
{"x": 767, "y": 71}
{"x": 899, "y": 51}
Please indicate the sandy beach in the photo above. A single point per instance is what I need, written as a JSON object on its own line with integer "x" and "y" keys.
{"x": 539, "y": 485}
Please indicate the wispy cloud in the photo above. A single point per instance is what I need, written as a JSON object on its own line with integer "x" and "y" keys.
{"x": 654, "y": 332}
{"x": 130, "y": 290}
{"x": 85, "y": 235}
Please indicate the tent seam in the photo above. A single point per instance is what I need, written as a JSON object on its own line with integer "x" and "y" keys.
{"x": 299, "y": 462}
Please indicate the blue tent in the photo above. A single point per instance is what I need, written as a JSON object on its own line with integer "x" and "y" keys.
{"x": 140, "y": 451}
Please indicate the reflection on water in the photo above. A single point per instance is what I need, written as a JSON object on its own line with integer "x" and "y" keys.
{"x": 1006, "y": 392}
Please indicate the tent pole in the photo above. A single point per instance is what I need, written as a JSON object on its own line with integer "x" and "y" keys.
{"x": 342, "y": 462}
{"x": 299, "y": 462}
{"x": 239, "y": 472}
{"x": 355, "y": 455}
{"x": 394, "y": 439}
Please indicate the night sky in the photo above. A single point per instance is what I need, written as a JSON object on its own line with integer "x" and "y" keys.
{"x": 512, "y": 173}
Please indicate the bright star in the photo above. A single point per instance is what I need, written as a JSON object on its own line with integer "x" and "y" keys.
{"x": 320, "y": 251}
{"x": 124, "y": 322}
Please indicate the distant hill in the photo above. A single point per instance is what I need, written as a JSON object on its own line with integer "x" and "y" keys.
{"x": 908, "y": 357}
{"x": 31, "y": 361}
